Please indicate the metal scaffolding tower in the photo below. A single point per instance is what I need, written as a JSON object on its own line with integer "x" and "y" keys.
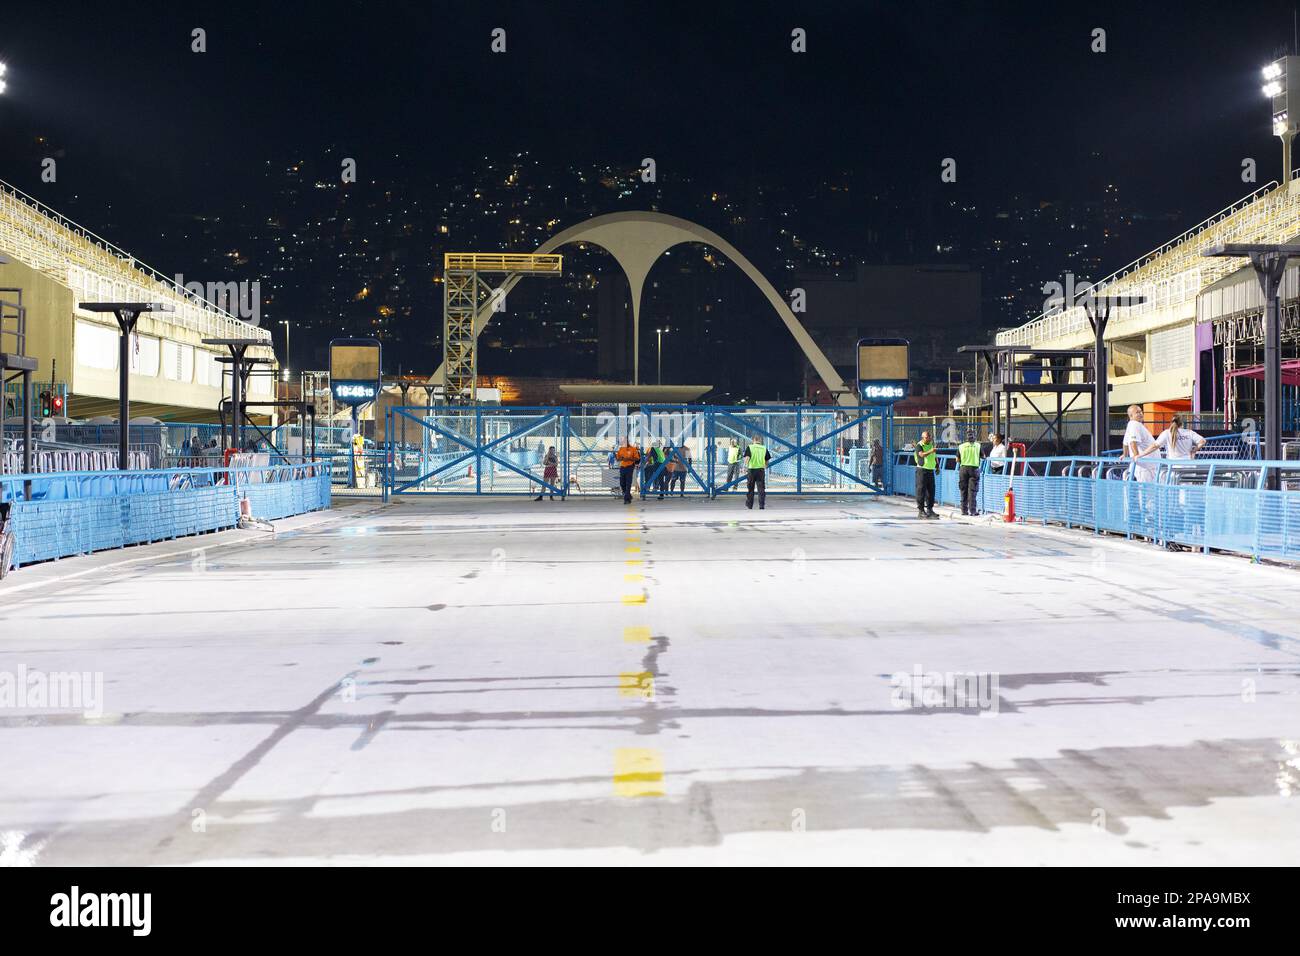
{"x": 464, "y": 297}
{"x": 1026, "y": 373}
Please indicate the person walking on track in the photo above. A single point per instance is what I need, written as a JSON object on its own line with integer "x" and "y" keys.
{"x": 628, "y": 455}
{"x": 877, "y": 462}
{"x": 733, "y": 461}
{"x": 968, "y": 478}
{"x": 647, "y": 471}
{"x": 678, "y": 466}
{"x": 550, "y": 471}
{"x": 757, "y": 458}
{"x": 924, "y": 456}
{"x": 671, "y": 464}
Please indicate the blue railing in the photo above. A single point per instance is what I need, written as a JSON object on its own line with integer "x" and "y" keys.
{"x": 1076, "y": 427}
{"x": 175, "y": 439}
{"x": 54, "y": 515}
{"x": 1243, "y": 445}
{"x": 1210, "y": 504}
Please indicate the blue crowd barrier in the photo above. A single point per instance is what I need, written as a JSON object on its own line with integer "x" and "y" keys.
{"x": 1209, "y": 504}
{"x": 54, "y": 515}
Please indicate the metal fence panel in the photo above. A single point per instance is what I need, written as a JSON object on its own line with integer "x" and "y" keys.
{"x": 491, "y": 450}
{"x": 58, "y": 515}
{"x": 1211, "y": 504}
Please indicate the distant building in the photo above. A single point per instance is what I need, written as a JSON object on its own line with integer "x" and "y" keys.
{"x": 937, "y": 308}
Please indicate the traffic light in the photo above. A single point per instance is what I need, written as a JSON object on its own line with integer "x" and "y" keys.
{"x": 45, "y": 404}
{"x": 57, "y": 404}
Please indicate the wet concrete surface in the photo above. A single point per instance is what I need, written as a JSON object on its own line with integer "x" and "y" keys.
{"x": 500, "y": 680}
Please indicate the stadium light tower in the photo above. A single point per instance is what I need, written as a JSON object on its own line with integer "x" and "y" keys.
{"x": 1281, "y": 85}
{"x": 3, "y": 70}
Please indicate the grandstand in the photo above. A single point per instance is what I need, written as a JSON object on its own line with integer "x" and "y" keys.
{"x": 1169, "y": 353}
{"x": 55, "y": 264}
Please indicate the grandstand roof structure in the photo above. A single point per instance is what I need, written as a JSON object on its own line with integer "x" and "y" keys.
{"x": 55, "y": 266}
{"x": 1173, "y": 275}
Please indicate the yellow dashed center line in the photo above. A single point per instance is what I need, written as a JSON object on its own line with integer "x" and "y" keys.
{"x": 638, "y": 772}
{"x": 639, "y": 684}
{"x": 636, "y": 634}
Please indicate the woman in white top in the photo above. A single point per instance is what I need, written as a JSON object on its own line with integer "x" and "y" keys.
{"x": 998, "y": 452}
{"x": 1176, "y": 440}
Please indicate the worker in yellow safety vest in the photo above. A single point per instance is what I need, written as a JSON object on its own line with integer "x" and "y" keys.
{"x": 358, "y": 461}
{"x": 756, "y": 458}
{"x": 923, "y": 455}
{"x": 968, "y": 475}
{"x": 733, "y": 461}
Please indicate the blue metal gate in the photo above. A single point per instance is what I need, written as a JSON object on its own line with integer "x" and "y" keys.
{"x": 687, "y": 449}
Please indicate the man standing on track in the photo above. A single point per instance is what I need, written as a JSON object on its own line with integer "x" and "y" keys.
{"x": 627, "y": 456}
{"x": 733, "y": 461}
{"x": 756, "y": 458}
{"x": 968, "y": 478}
{"x": 1138, "y": 439}
{"x": 924, "y": 457}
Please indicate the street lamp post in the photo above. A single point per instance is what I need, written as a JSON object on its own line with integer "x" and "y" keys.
{"x": 287, "y": 362}
{"x": 1269, "y": 261}
{"x": 127, "y": 314}
{"x": 238, "y": 377}
{"x": 659, "y": 375}
{"x": 1097, "y": 309}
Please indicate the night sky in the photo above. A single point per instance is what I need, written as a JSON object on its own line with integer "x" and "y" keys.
{"x": 1011, "y": 91}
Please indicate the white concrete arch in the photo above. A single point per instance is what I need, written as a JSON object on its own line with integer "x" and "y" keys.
{"x": 636, "y": 240}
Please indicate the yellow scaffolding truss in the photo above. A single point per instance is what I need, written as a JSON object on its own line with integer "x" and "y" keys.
{"x": 464, "y": 295}
{"x": 530, "y": 263}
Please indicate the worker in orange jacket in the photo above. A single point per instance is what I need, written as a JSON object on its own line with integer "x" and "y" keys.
{"x": 627, "y": 456}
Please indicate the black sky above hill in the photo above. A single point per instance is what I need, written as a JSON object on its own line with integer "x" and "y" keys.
{"x": 1011, "y": 91}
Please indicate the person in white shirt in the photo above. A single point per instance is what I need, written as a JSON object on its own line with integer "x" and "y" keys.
{"x": 1177, "y": 441}
{"x": 1137, "y": 439}
{"x": 997, "y": 453}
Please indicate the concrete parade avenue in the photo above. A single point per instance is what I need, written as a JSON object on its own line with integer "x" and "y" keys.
{"x": 451, "y": 680}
